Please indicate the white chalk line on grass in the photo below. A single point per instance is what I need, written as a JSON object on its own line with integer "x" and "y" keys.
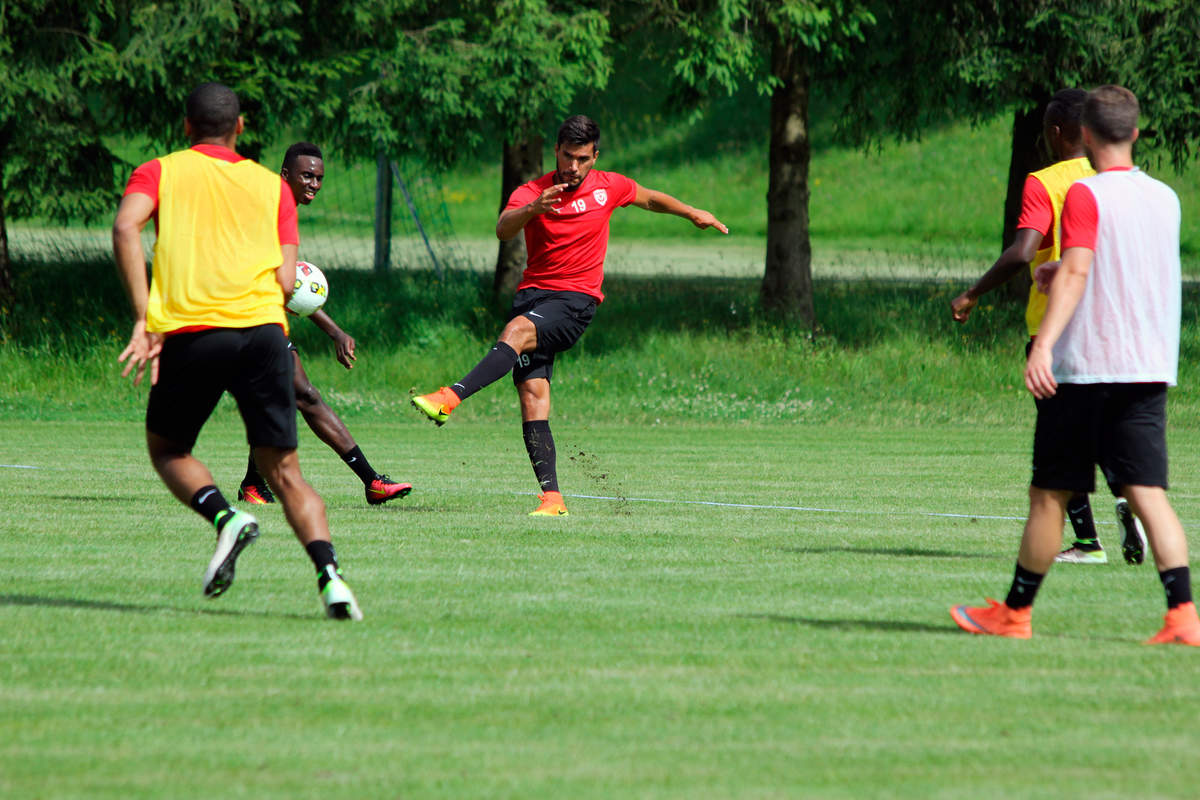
{"x": 18, "y": 466}
{"x": 812, "y": 509}
{"x": 809, "y": 509}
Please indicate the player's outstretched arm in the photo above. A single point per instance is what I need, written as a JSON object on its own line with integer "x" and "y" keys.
{"x": 343, "y": 342}
{"x": 664, "y": 203}
{"x": 1014, "y": 258}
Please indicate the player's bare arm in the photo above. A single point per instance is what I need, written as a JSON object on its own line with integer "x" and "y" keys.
{"x": 1065, "y": 294}
{"x": 1015, "y": 258}
{"x": 343, "y": 342}
{"x": 514, "y": 219}
{"x": 143, "y": 348}
{"x": 663, "y": 203}
{"x": 285, "y": 273}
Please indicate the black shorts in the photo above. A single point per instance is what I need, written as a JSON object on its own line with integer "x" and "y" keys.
{"x": 560, "y": 319}
{"x": 1122, "y": 427}
{"x": 195, "y": 369}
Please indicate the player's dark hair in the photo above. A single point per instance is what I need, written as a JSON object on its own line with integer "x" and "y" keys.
{"x": 1111, "y": 113}
{"x": 579, "y": 130}
{"x": 300, "y": 149}
{"x": 1065, "y": 110}
{"x": 212, "y": 109}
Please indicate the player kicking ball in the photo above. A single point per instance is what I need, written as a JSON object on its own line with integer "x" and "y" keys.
{"x": 1107, "y": 350}
{"x": 564, "y": 215}
{"x": 304, "y": 172}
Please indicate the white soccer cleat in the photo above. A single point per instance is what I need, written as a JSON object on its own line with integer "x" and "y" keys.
{"x": 235, "y": 534}
{"x": 338, "y": 599}
{"x": 1074, "y": 555}
{"x": 1133, "y": 538}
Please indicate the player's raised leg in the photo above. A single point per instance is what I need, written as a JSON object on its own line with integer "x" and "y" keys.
{"x": 305, "y": 512}
{"x": 330, "y": 429}
{"x": 539, "y": 444}
{"x": 519, "y": 336}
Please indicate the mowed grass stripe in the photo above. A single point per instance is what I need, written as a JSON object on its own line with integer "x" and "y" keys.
{"x": 633, "y": 650}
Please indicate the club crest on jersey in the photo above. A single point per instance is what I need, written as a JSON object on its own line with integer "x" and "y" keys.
{"x": 601, "y": 196}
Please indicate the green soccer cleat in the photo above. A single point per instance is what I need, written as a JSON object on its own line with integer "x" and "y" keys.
{"x": 338, "y": 599}
{"x": 236, "y": 530}
{"x": 437, "y": 405}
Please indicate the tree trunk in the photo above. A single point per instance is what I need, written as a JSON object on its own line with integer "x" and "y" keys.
{"x": 1027, "y": 156}
{"x": 8, "y": 296}
{"x": 522, "y": 163}
{"x": 787, "y": 280}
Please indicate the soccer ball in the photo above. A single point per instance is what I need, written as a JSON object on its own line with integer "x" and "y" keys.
{"x": 311, "y": 292}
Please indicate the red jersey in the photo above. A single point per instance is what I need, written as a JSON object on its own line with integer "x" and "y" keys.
{"x": 565, "y": 247}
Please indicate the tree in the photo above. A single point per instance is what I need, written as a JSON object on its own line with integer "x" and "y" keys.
{"x": 780, "y": 47}
{"x": 930, "y": 60}
{"x": 53, "y": 161}
{"x": 75, "y": 75}
{"x": 456, "y": 77}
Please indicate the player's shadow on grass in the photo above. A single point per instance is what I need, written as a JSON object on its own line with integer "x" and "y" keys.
{"x": 906, "y": 552}
{"x": 855, "y": 625}
{"x": 130, "y": 608}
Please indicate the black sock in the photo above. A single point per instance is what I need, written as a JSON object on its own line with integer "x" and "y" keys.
{"x": 495, "y": 365}
{"x": 1024, "y": 588}
{"x": 356, "y": 461}
{"x": 539, "y": 443}
{"x": 208, "y": 502}
{"x": 1079, "y": 511}
{"x": 1177, "y": 583}
{"x": 322, "y": 555}
{"x": 253, "y": 478}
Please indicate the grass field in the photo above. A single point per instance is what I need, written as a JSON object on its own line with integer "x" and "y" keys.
{"x": 730, "y": 611}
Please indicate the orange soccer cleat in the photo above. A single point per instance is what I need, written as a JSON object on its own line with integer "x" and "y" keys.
{"x": 995, "y": 620}
{"x": 1182, "y": 626}
{"x": 552, "y": 506}
{"x": 255, "y": 495}
{"x": 437, "y": 405}
{"x": 383, "y": 488}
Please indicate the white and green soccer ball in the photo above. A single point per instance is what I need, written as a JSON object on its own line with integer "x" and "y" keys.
{"x": 311, "y": 291}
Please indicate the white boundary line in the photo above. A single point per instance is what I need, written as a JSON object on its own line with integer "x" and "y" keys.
{"x": 17, "y": 466}
{"x": 814, "y": 509}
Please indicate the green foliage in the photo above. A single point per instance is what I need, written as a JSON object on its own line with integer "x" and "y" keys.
{"x": 717, "y": 46}
{"x": 252, "y": 46}
{"x": 441, "y": 80}
{"x": 960, "y": 57}
{"x": 54, "y": 63}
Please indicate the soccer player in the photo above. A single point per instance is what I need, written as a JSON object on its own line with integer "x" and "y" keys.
{"x": 304, "y": 172}
{"x": 1107, "y": 350}
{"x": 1038, "y": 242}
{"x": 564, "y": 215}
{"x": 211, "y": 320}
